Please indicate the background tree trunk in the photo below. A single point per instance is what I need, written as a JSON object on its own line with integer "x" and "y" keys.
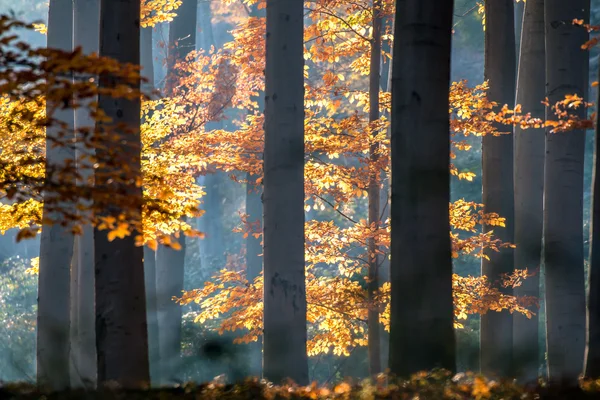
{"x": 592, "y": 352}
{"x": 56, "y": 243}
{"x": 285, "y": 289}
{"x": 497, "y": 177}
{"x": 147, "y": 63}
{"x": 519, "y": 18}
{"x": 566, "y": 73}
{"x": 170, "y": 262}
{"x": 529, "y": 187}
{"x": 421, "y": 265}
{"x": 374, "y": 344}
{"x": 121, "y": 328}
{"x": 86, "y": 17}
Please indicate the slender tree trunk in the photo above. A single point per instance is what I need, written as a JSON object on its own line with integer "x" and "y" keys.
{"x": 74, "y": 353}
{"x": 592, "y": 352}
{"x": 566, "y": 69}
{"x": 283, "y": 197}
{"x": 529, "y": 187}
{"x": 519, "y": 19}
{"x": 86, "y": 17}
{"x": 169, "y": 278}
{"x": 374, "y": 344}
{"x": 254, "y": 211}
{"x": 170, "y": 262}
{"x": 421, "y": 264}
{"x": 147, "y": 59}
{"x": 254, "y": 262}
{"x": 121, "y": 328}
{"x": 212, "y": 247}
{"x": 56, "y": 244}
{"x": 497, "y": 177}
{"x": 147, "y": 63}
{"x": 152, "y": 314}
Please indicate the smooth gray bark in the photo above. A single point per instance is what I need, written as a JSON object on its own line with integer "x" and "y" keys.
{"x": 283, "y": 197}
{"x": 121, "y": 328}
{"x": 519, "y": 19}
{"x": 254, "y": 211}
{"x": 147, "y": 63}
{"x": 86, "y": 20}
{"x": 170, "y": 262}
{"x": 497, "y": 177}
{"x": 152, "y": 314}
{"x": 592, "y": 351}
{"x": 56, "y": 243}
{"x": 422, "y": 334}
{"x": 529, "y": 187}
{"x": 566, "y": 73}
{"x": 374, "y": 342}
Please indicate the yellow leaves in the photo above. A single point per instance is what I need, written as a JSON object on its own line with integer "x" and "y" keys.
{"x": 41, "y": 28}
{"x": 121, "y": 230}
{"x": 35, "y": 267}
{"x": 153, "y": 12}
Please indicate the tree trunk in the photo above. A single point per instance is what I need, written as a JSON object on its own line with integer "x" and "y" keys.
{"x": 497, "y": 177}
{"x": 529, "y": 187}
{"x": 74, "y": 353}
{"x": 170, "y": 262}
{"x": 592, "y": 352}
{"x": 519, "y": 19}
{"x": 283, "y": 197}
{"x": 147, "y": 63}
{"x": 121, "y": 328}
{"x": 86, "y": 17}
{"x": 374, "y": 344}
{"x": 152, "y": 314}
{"x": 169, "y": 278}
{"x": 566, "y": 66}
{"x": 147, "y": 59}
{"x": 254, "y": 211}
{"x": 421, "y": 264}
{"x": 56, "y": 243}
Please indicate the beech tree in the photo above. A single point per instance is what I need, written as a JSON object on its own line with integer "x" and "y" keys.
{"x": 566, "y": 74}
{"x": 497, "y": 178}
{"x": 283, "y": 197}
{"x": 592, "y": 351}
{"x": 86, "y": 28}
{"x": 56, "y": 245}
{"x": 421, "y": 256}
{"x": 121, "y": 328}
{"x": 170, "y": 261}
{"x": 529, "y": 186}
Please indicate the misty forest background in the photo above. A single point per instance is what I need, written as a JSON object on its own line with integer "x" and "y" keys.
{"x": 205, "y": 352}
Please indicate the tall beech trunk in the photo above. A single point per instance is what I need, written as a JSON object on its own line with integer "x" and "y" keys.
{"x": 422, "y": 333}
{"x": 519, "y": 20}
{"x": 374, "y": 343}
{"x": 147, "y": 63}
{"x": 497, "y": 177}
{"x": 529, "y": 187}
{"x": 152, "y": 314}
{"x": 212, "y": 249}
{"x": 56, "y": 244}
{"x": 283, "y": 197}
{"x": 121, "y": 328}
{"x": 254, "y": 211}
{"x": 170, "y": 262}
{"x": 169, "y": 279}
{"x": 566, "y": 73}
{"x": 592, "y": 352}
{"x": 86, "y": 25}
